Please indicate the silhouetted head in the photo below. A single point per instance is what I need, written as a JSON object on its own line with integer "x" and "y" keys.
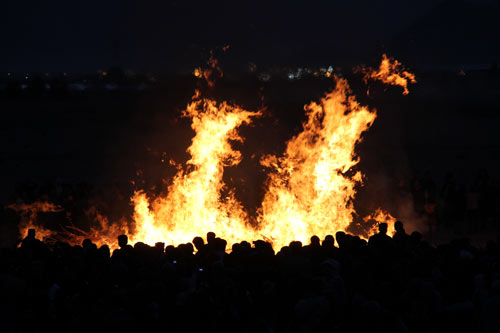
{"x": 139, "y": 246}
{"x": 382, "y": 228}
{"x": 220, "y": 244}
{"x": 160, "y": 246}
{"x": 295, "y": 245}
{"x": 328, "y": 241}
{"x": 210, "y": 237}
{"x": 315, "y": 240}
{"x": 104, "y": 251}
{"x": 259, "y": 244}
{"x": 87, "y": 243}
{"x": 31, "y": 234}
{"x": 398, "y": 226}
{"x": 189, "y": 248}
{"x": 330, "y": 238}
{"x": 169, "y": 250}
{"x": 340, "y": 236}
{"x": 198, "y": 243}
{"x": 235, "y": 248}
{"x": 245, "y": 246}
{"x": 416, "y": 236}
{"x": 122, "y": 241}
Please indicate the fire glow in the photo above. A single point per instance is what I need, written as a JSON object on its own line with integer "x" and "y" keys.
{"x": 309, "y": 190}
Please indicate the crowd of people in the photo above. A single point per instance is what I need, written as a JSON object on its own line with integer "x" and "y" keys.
{"x": 463, "y": 209}
{"x": 339, "y": 284}
{"x": 342, "y": 283}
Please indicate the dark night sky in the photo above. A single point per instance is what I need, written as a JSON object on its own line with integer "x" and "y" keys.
{"x": 77, "y": 35}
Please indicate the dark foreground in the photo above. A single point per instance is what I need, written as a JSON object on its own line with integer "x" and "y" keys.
{"x": 399, "y": 284}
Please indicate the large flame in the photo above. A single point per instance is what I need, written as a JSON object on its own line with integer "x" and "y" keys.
{"x": 198, "y": 199}
{"x": 311, "y": 188}
{"x": 309, "y": 191}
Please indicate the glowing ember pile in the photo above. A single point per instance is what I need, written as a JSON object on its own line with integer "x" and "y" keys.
{"x": 310, "y": 188}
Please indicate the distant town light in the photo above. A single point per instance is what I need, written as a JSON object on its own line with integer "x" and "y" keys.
{"x": 265, "y": 77}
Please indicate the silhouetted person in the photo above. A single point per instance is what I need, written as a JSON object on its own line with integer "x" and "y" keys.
{"x": 400, "y": 237}
{"x": 210, "y": 236}
{"x": 199, "y": 244}
{"x": 87, "y": 244}
{"x": 125, "y": 249}
{"x": 123, "y": 241}
{"x": 104, "y": 251}
{"x": 220, "y": 245}
{"x": 314, "y": 248}
{"x": 31, "y": 234}
{"x": 328, "y": 247}
{"x": 314, "y": 242}
{"x": 328, "y": 241}
{"x": 30, "y": 241}
{"x": 160, "y": 246}
{"x": 89, "y": 248}
{"x": 381, "y": 240}
{"x": 340, "y": 236}
{"x": 210, "y": 246}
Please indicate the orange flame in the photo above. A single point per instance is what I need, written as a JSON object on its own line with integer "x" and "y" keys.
{"x": 310, "y": 191}
{"x": 310, "y": 188}
{"x": 103, "y": 232}
{"x": 381, "y": 216}
{"x": 29, "y": 212}
{"x": 198, "y": 200}
{"x": 389, "y": 72}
